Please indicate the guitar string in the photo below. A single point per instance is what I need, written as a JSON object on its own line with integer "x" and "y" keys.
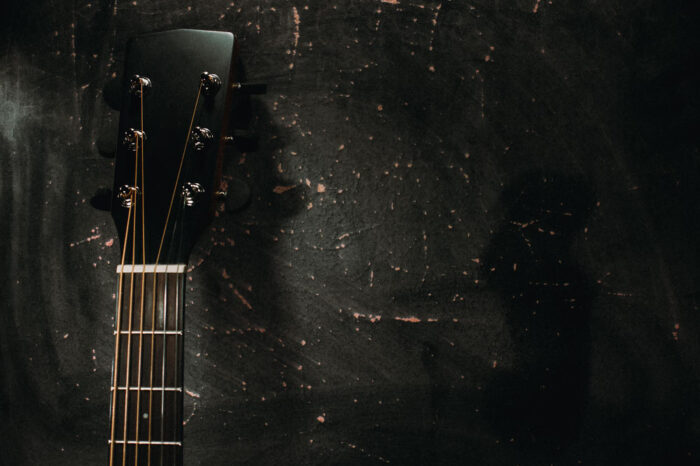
{"x": 150, "y": 393}
{"x": 179, "y": 170}
{"x": 131, "y": 306}
{"x": 143, "y": 286}
{"x": 177, "y": 360}
{"x": 115, "y": 374}
{"x": 153, "y": 309}
{"x": 162, "y": 375}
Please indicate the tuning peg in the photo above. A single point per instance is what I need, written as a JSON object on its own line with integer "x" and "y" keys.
{"x": 102, "y": 199}
{"x": 250, "y": 88}
{"x": 236, "y": 194}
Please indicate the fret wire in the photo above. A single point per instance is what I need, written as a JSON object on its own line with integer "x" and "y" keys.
{"x": 167, "y": 389}
{"x": 146, "y": 442}
{"x": 149, "y": 332}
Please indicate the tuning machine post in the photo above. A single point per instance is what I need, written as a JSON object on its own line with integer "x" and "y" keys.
{"x": 244, "y": 140}
{"x": 250, "y": 88}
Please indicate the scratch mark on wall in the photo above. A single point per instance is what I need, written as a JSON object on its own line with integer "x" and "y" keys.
{"x": 411, "y": 319}
{"x": 279, "y": 189}
{"x": 434, "y": 21}
{"x": 295, "y": 34}
{"x": 86, "y": 240}
{"x": 242, "y": 299}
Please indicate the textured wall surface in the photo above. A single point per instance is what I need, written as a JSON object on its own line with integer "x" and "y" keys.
{"x": 472, "y": 238}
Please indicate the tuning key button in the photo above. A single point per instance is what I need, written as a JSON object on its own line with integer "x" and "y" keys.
{"x": 127, "y": 195}
{"x": 137, "y": 84}
{"x": 131, "y": 136}
{"x": 211, "y": 83}
{"x": 190, "y": 192}
{"x": 201, "y": 137}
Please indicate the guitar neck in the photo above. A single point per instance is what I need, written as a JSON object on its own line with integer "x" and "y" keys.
{"x": 147, "y": 388}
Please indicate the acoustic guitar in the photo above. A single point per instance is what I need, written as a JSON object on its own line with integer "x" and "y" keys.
{"x": 177, "y": 96}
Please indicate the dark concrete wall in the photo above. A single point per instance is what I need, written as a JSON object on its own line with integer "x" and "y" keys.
{"x": 488, "y": 254}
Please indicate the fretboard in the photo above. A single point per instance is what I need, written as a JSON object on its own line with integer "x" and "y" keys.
{"x": 146, "y": 398}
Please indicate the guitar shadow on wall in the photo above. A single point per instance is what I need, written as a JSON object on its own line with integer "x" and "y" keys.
{"x": 539, "y": 403}
{"x": 237, "y": 321}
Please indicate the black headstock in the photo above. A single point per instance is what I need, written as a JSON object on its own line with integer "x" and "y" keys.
{"x": 176, "y": 98}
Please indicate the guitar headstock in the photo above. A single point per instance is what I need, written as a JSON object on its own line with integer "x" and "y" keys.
{"x": 176, "y": 99}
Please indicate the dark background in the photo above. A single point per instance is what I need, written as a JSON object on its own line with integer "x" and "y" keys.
{"x": 488, "y": 254}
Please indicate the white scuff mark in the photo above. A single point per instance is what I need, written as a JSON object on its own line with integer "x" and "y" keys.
{"x": 194, "y": 410}
{"x": 192, "y": 394}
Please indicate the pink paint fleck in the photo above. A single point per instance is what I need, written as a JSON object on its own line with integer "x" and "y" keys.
{"x": 536, "y": 7}
{"x": 321, "y": 419}
{"x": 372, "y": 317}
{"x": 87, "y": 240}
{"x": 413, "y": 320}
{"x": 391, "y": 2}
{"x": 242, "y": 299}
{"x": 296, "y": 34}
{"x": 109, "y": 243}
{"x": 297, "y": 22}
{"x": 281, "y": 189}
{"x": 321, "y": 188}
